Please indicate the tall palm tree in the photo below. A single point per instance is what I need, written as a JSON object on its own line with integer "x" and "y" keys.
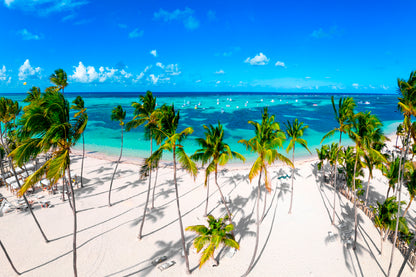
{"x": 268, "y": 137}
{"x": 168, "y": 127}
{"x": 343, "y": 117}
{"x": 9, "y": 110}
{"x": 362, "y": 133}
{"x": 78, "y": 105}
{"x": 32, "y": 95}
{"x": 410, "y": 176}
{"x": 46, "y": 126}
{"x": 295, "y": 132}
{"x": 390, "y": 170}
{"x": 212, "y": 237}
{"x": 59, "y": 79}
{"x": 214, "y": 152}
{"x": 117, "y": 114}
{"x": 385, "y": 218}
{"x": 407, "y": 106}
{"x": 145, "y": 113}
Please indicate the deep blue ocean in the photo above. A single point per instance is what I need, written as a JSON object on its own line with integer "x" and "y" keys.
{"x": 233, "y": 110}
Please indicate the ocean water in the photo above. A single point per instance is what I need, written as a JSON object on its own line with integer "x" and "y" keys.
{"x": 233, "y": 110}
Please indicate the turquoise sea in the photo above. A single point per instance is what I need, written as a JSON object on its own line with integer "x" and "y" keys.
{"x": 232, "y": 109}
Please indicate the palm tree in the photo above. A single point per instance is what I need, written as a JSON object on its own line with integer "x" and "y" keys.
{"x": 144, "y": 113}
{"x": 46, "y": 126}
{"x": 215, "y": 152}
{"x": 390, "y": 170}
{"x": 9, "y": 110}
{"x": 268, "y": 137}
{"x": 117, "y": 114}
{"x": 32, "y": 95}
{"x": 385, "y": 218}
{"x": 295, "y": 132}
{"x": 407, "y": 106}
{"x": 168, "y": 128}
{"x": 59, "y": 79}
{"x": 212, "y": 236}
{"x": 343, "y": 117}
{"x": 410, "y": 176}
{"x": 82, "y": 114}
{"x": 362, "y": 133}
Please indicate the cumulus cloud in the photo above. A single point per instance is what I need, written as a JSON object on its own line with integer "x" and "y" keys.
{"x": 27, "y": 71}
{"x": 280, "y": 64}
{"x": 172, "y": 69}
{"x": 159, "y": 64}
{"x": 154, "y": 53}
{"x": 26, "y": 35}
{"x": 186, "y": 16}
{"x": 3, "y": 75}
{"x": 45, "y": 7}
{"x": 88, "y": 74}
{"x": 259, "y": 59}
{"x": 136, "y": 33}
{"x": 153, "y": 78}
{"x": 220, "y": 72}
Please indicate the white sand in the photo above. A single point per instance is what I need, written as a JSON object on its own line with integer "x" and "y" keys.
{"x": 290, "y": 245}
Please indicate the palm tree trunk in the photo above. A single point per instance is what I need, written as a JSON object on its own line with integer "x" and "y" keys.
{"x": 115, "y": 170}
{"x": 185, "y": 250}
{"x": 154, "y": 187}
{"x": 399, "y": 191}
{"x": 368, "y": 188}
{"x": 381, "y": 241}
{"x": 408, "y": 206}
{"x": 83, "y": 156}
{"x": 335, "y": 179}
{"x": 293, "y": 176}
{"x": 206, "y": 205}
{"x": 388, "y": 191}
{"x": 148, "y": 192}
{"x": 257, "y": 228}
{"x": 74, "y": 236}
{"x": 8, "y": 258}
{"x": 222, "y": 196}
{"x": 355, "y": 200}
{"x": 6, "y": 149}
{"x": 264, "y": 205}
{"x": 411, "y": 247}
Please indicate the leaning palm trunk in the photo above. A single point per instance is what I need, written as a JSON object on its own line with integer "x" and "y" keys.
{"x": 6, "y": 149}
{"x": 148, "y": 193}
{"x": 185, "y": 251}
{"x": 8, "y": 258}
{"x": 293, "y": 176}
{"x": 408, "y": 206}
{"x": 74, "y": 213}
{"x": 355, "y": 200}
{"x": 257, "y": 227}
{"x": 368, "y": 188}
{"x": 335, "y": 179}
{"x": 222, "y": 196}
{"x": 115, "y": 170}
{"x": 83, "y": 156}
{"x": 399, "y": 191}
{"x": 206, "y": 205}
{"x": 154, "y": 187}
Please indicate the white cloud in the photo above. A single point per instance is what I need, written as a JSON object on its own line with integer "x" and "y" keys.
{"x": 259, "y": 59}
{"x": 138, "y": 77}
{"x": 45, "y": 7}
{"x": 88, "y": 74}
{"x": 27, "y": 71}
{"x": 154, "y": 79}
{"x": 355, "y": 85}
{"x": 217, "y": 82}
{"x": 26, "y": 35}
{"x": 220, "y": 72}
{"x": 198, "y": 81}
{"x": 158, "y": 64}
{"x": 280, "y": 64}
{"x": 154, "y": 53}
{"x": 3, "y": 75}
{"x": 307, "y": 77}
{"x": 135, "y": 33}
{"x": 172, "y": 69}
{"x": 186, "y": 16}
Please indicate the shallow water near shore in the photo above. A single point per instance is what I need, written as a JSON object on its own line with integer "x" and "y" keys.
{"x": 233, "y": 110}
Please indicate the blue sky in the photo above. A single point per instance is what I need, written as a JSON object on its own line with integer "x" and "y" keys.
{"x": 259, "y": 46}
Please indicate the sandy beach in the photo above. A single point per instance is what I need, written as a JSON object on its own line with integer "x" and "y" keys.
{"x": 296, "y": 244}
